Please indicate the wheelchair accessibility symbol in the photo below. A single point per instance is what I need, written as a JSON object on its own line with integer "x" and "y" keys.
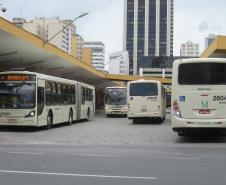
{"x": 182, "y": 98}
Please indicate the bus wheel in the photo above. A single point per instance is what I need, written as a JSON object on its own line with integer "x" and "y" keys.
{"x": 70, "y": 120}
{"x": 49, "y": 121}
{"x": 162, "y": 119}
{"x": 181, "y": 133}
{"x": 88, "y": 114}
{"x": 135, "y": 120}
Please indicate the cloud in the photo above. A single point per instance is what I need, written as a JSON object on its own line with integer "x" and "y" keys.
{"x": 208, "y": 26}
{"x": 203, "y": 26}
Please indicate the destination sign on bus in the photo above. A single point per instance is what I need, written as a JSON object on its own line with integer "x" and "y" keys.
{"x": 17, "y": 77}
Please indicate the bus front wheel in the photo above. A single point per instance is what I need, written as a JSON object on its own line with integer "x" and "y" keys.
{"x": 88, "y": 114}
{"x": 135, "y": 120}
{"x": 49, "y": 121}
{"x": 161, "y": 120}
{"x": 70, "y": 120}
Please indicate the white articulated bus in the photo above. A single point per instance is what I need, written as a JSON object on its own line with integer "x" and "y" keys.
{"x": 116, "y": 101}
{"x": 199, "y": 95}
{"x": 146, "y": 99}
{"x": 33, "y": 99}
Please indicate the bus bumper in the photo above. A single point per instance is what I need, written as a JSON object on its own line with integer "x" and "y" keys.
{"x": 115, "y": 112}
{"x": 181, "y": 124}
{"x": 18, "y": 122}
{"x": 131, "y": 115}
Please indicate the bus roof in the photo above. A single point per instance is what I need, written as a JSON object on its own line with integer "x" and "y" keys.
{"x": 193, "y": 60}
{"x": 145, "y": 81}
{"x": 116, "y": 87}
{"x": 48, "y": 77}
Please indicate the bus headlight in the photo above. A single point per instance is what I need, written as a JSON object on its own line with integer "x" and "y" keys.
{"x": 176, "y": 109}
{"x": 31, "y": 114}
{"x": 106, "y": 108}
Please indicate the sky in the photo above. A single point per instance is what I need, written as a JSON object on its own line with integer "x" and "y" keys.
{"x": 193, "y": 20}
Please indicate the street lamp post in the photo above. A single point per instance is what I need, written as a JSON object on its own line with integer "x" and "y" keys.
{"x": 3, "y": 8}
{"x": 80, "y": 16}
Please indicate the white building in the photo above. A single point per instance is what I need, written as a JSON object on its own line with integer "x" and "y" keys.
{"x": 79, "y": 46}
{"x": 19, "y": 21}
{"x": 98, "y": 50}
{"x": 119, "y": 63}
{"x": 189, "y": 49}
{"x": 46, "y": 28}
{"x": 209, "y": 40}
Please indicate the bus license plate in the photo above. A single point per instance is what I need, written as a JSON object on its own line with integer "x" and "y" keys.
{"x": 12, "y": 121}
{"x": 204, "y": 111}
{"x": 143, "y": 110}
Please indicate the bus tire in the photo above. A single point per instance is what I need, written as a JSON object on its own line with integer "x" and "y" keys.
{"x": 135, "y": 120}
{"x": 181, "y": 133}
{"x": 49, "y": 121}
{"x": 70, "y": 118}
{"x": 88, "y": 114}
{"x": 162, "y": 119}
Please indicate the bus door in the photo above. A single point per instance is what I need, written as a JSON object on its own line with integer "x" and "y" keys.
{"x": 41, "y": 102}
{"x": 78, "y": 100}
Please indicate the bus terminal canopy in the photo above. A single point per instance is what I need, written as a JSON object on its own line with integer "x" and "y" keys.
{"x": 21, "y": 49}
{"x": 217, "y": 49}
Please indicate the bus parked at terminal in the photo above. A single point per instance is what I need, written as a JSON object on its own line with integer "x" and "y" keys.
{"x": 34, "y": 99}
{"x": 116, "y": 101}
{"x": 199, "y": 95}
{"x": 146, "y": 99}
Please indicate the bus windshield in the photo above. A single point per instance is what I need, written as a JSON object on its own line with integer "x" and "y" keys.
{"x": 17, "y": 95}
{"x": 143, "y": 89}
{"x": 115, "y": 96}
{"x": 202, "y": 74}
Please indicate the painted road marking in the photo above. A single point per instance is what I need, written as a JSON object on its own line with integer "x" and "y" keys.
{"x": 27, "y": 153}
{"x": 78, "y": 175}
{"x": 96, "y": 155}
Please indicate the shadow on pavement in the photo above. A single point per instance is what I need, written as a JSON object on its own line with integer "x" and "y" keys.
{"x": 35, "y": 129}
{"x": 202, "y": 138}
{"x": 19, "y": 129}
{"x": 147, "y": 122}
{"x": 116, "y": 116}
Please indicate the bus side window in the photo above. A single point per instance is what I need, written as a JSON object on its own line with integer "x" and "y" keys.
{"x": 54, "y": 93}
{"x": 73, "y": 95}
{"x": 91, "y": 95}
{"x": 64, "y": 94}
{"x": 40, "y": 106}
{"x": 48, "y": 93}
{"x": 87, "y": 94}
{"x": 83, "y": 95}
{"x": 59, "y": 94}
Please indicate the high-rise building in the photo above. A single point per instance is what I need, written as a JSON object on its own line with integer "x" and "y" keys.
{"x": 148, "y": 29}
{"x": 209, "y": 40}
{"x": 19, "y": 21}
{"x": 98, "y": 50}
{"x": 87, "y": 55}
{"x": 119, "y": 63}
{"x": 46, "y": 28}
{"x": 189, "y": 49}
{"x": 79, "y": 46}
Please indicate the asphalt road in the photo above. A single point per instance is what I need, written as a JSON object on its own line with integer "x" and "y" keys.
{"x": 109, "y": 151}
{"x": 110, "y": 165}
